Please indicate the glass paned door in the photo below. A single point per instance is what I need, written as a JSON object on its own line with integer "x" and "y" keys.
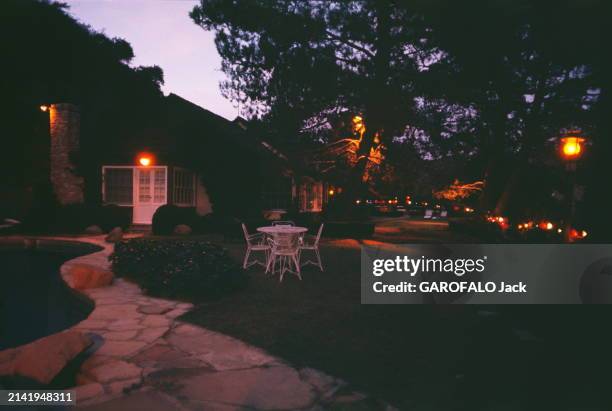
{"x": 150, "y": 186}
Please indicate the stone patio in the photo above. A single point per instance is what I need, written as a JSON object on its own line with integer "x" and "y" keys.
{"x": 144, "y": 358}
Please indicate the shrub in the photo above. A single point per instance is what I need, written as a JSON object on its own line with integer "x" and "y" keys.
{"x": 169, "y": 216}
{"x": 185, "y": 269}
{"x": 111, "y": 216}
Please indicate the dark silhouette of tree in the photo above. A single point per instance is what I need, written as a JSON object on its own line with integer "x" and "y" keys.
{"x": 48, "y": 57}
{"x": 482, "y": 82}
{"x": 304, "y": 64}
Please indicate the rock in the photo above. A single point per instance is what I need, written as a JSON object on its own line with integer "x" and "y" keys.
{"x": 84, "y": 276}
{"x": 114, "y": 371}
{"x": 115, "y": 235}
{"x": 94, "y": 230}
{"x": 44, "y": 358}
{"x": 182, "y": 229}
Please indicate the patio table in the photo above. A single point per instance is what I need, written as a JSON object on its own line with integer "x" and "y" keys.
{"x": 282, "y": 230}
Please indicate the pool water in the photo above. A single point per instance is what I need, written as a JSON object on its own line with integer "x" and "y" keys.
{"x": 34, "y": 300}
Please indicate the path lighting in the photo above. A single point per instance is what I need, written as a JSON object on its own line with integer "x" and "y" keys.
{"x": 571, "y": 148}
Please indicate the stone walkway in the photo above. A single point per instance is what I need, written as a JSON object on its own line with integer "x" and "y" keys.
{"x": 145, "y": 359}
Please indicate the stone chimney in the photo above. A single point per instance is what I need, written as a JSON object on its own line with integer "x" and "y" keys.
{"x": 65, "y": 124}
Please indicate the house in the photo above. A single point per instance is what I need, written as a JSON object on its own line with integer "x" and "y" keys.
{"x": 190, "y": 158}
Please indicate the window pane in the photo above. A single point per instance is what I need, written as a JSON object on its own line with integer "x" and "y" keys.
{"x": 118, "y": 185}
{"x": 184, "y": 187}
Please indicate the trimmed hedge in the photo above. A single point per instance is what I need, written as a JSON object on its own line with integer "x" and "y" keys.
{"x": 184, "y": 269}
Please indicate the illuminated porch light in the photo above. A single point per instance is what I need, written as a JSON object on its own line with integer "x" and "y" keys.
{"x": 145, "y": 160}
{"x": 44, "y": 108}
{"x": 331, "y": 192}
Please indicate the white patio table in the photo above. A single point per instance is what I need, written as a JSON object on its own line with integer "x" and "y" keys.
{"x": 284, "y": 234}
{"x": 282, "y": 230}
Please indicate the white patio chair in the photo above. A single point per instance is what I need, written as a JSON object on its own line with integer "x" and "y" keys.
{"x": 311, "y": 243}
{"x": 255, "y": 242}
{"x": 279, "y": 222}
{"x": 284, "y": 254}
{"x": 428, "y": 214}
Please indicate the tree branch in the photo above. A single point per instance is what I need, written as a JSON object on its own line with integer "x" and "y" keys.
{"x": 349, "y": 43}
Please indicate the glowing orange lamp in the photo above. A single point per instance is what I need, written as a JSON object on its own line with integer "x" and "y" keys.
{"x": 145, "y": 159}
{"x": 571, "y": 147}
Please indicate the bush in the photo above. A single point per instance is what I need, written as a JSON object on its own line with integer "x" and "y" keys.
{"x": 169, "y": 216}
{"x": 185, "y": 269}
{"x": 111, "y": 216}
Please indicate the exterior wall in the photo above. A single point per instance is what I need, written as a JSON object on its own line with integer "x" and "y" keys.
{"x": 64, "y": 121}
{"x": 203, "y": 204}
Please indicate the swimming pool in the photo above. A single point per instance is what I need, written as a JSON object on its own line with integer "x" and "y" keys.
{"x": 34, "y": 300}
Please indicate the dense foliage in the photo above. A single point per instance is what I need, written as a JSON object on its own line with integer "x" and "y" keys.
{"x": 476, "y": 90}
{"x": 185, "y": 269}
{"x": 168, "y": 216}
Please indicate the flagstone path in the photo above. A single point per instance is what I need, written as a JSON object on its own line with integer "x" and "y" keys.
{"x": 143, "y": 358}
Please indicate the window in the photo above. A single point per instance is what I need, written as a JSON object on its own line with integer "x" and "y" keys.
{"x": 118, "y": 185}
{"x": 311, "y": 197}
{"x": 184, "y": 187}
{"x": 276, "y": 193}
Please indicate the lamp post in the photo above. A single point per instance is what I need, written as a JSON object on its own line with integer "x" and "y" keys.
{"x": 571, "y": 149}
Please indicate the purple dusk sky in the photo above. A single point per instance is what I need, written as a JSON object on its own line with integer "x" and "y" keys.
{"x": 161, "y": 33}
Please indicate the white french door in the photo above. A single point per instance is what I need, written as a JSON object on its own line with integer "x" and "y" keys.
{"x": 150, "y": 189}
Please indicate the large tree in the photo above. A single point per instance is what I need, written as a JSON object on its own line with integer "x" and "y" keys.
{"x": 488, "y": 82}
{"x": 306, "y": 64}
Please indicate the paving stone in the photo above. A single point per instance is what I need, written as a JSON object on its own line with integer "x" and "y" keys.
{"x": 94, "y": 361}
{"x": 155, "y": 321}
{"x": 188, "y": 329}
{"x": 177, "y": 312}
{"x": 138, "y": 401}
{"x": 92, "y": 324}
{"x": 88, "y": 391}
{"x": 123, "y": 325}
{"x": 220, "y": 351}
{"x": 119, "y": 387}
{"x": 151, "y": 334}
{"x": 115, "y": 370}
{"x": 111, "y": 312}
{"x": 120, "y": 348}
{"x": 153, "y": 309}
{"x": 274, "y": 388}
{"x": 120, "y": 335}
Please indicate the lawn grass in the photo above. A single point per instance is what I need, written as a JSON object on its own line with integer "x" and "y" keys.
{"x": 416, "y": 357}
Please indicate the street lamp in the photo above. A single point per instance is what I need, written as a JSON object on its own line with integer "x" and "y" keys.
{"x": 571, "y": 149}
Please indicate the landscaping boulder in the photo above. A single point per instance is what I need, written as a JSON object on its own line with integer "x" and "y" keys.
{"x": 94, "y": 230}
{"x": 44, "y": 358}
{"x": 182, "y": 229}
{"x": 115, "y": 235}
{"x": 83, "y": 276}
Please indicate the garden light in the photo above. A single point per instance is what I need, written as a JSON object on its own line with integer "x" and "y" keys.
{"x": 572, "y": 147}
